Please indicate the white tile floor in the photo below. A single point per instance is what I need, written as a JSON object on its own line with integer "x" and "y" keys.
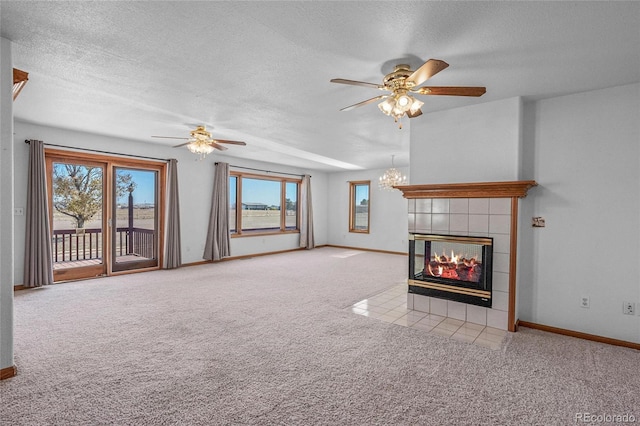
{"x": 391, "y": 306}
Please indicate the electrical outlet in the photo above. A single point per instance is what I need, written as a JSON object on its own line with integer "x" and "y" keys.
{"x": 18, "y": 211}
{"x": 628, "y": 308}
{"x": 584, "y": 302}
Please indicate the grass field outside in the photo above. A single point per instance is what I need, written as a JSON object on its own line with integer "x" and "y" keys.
{"x": 142, "y": 218}
{"x": 263, "y": 219}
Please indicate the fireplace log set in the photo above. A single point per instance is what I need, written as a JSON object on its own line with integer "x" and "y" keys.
{"x": 463, "y": 270}
{"x": 465, "y": 277}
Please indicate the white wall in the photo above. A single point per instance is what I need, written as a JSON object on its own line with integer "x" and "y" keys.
{"x": 6, "y": 207}
{"x": 388, "y": 214}
{"x": 584, "y": 152}
{"x": 195, "y": 185}
{"x": 478, "y": 143}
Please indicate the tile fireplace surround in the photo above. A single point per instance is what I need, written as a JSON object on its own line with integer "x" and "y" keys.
{"x": 484, "y": 209}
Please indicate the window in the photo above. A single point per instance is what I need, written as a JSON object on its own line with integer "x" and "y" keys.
{"x": 262, "y": 205}
{"x": 291, "y": 204}
{"x": 233, "y": 202}
{"x": 359, "y": 206}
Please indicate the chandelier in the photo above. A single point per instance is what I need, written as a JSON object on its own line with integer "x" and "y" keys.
{"x": 391, "y": 177}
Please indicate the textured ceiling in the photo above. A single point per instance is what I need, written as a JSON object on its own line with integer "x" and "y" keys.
{"x": 259, "y": 71}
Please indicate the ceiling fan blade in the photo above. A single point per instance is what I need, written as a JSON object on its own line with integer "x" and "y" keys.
{"x": 359, "y": 104}
{"x": 427, "y": 70}
{"x": 451, "y": 91}
{"x": 418, "y": 113}
{"x": 182, "y": 144}
{"x": 168, "y": 137}
{"x": 217, "y": 146}
{"x": 229, "y": 142}
{"x": 357, "y": 83}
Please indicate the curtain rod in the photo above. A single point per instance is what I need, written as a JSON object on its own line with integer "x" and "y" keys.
{"x": 260, "y": 170}
{"x": 28, "y": 142}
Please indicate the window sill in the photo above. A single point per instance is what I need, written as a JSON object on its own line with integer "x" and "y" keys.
{"x": 263, "y": 233}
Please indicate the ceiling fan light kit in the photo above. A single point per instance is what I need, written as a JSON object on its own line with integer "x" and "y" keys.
{"x": 403, "y": 81}
{"x": 400, "y": 104}
{"x": 200, "y": 147}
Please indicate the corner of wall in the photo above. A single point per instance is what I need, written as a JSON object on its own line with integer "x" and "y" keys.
{"x": 6, "y": 207}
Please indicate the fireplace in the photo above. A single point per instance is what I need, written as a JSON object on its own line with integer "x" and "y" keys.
{"x": 490, "y": 208}
{"x": 451, "y": 267}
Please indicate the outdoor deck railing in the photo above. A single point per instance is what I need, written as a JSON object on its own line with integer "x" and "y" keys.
{"x": 86, "y": 244}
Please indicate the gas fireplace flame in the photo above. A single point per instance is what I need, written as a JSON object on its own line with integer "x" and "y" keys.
{"x": 454, "y": 258}
{"x": 456, "y": 266}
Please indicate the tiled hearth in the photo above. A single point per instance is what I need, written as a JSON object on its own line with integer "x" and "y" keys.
{"x": 391, "y": 306}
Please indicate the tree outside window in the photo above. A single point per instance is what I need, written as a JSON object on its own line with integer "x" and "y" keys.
{"x": 77, "y": 191}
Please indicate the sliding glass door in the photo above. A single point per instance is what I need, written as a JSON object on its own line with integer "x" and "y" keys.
{"x": 135, "y": 210}
{"x": 106, "y": 214}
{"x": 76, "y": 202}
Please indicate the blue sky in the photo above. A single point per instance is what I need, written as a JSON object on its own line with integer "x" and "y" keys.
{"x": 145, "y": 189}
{"x": 263, "y": 191}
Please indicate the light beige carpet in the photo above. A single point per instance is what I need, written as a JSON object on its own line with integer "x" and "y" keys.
{"x": 268, "y": 341}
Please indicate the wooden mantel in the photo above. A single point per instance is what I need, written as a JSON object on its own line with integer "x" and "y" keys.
{"x": 507, "y": 189}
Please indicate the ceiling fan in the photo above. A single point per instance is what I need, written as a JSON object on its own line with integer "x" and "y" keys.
{"x": 201, "y": 142}
{"x": 403, "y": 81}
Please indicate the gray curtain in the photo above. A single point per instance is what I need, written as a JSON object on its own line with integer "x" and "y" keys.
{"x": 38, "y": 264}
{"x": 306, "y": 215}
{"x": 173, "y": 255}
{"x": 218, "y": 244}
